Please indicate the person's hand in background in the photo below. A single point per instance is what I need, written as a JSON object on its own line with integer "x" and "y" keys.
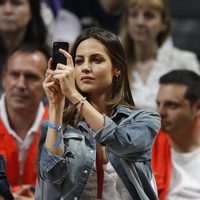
{"x": 25, "y": 192}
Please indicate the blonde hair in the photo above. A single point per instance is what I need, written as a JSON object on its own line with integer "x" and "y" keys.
{"x": 161, "y": 6}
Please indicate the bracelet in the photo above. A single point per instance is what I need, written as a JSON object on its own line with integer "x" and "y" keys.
{"x": 76, "y": 104}
{"x": 59, "y": 129}
{"x": 81, "y": 103}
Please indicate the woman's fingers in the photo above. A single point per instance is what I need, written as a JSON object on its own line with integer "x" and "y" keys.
{"x": 50, "y": 61}
{"x": 68, "y": 57}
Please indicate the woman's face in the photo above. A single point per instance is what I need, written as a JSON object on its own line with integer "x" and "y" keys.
{"x": 144, "y": 25}
{"x": 14, "y": 15}
{"x": 93, "y": 69}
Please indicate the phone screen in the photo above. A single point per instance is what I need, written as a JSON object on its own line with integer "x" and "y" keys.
{"x": 57, "y": 56}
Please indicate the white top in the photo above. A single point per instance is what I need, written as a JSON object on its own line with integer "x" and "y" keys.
{"x": 67, "y": 26}
{"x": 23, "y": 145}
{"x": 113, "y": 187}
{"x": 185, "y": 177}
{"x": 49, "y": 21}
{"x": 169, "y": 58}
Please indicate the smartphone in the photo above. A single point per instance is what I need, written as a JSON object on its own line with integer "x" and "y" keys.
{"x": 57, "y": 56}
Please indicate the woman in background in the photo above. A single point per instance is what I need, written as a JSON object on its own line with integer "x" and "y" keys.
{"x": 23, "y": 21}
{"x": 144, "y": 29}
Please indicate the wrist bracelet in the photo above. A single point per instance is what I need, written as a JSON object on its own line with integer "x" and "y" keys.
{"x": 81, "y": 103}
{"x": 59, "y": 129}
{"x": 76, "y": 104}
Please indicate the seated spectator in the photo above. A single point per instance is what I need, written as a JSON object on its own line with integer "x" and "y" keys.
{"x": 22, "y": 22}
{"x": 76, "y": 15}
{"x": 176, "y": 151}
{"x": 21, "y": 114}
{"x": 144, "y": 29}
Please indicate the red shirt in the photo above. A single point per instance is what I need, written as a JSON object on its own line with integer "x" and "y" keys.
{"x": 9, "y": 149}
{"x": 161, "y": 164}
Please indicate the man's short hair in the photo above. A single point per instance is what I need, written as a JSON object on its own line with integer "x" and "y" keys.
{"x": 187, "y": 78}
{"x": 29, "y": 48}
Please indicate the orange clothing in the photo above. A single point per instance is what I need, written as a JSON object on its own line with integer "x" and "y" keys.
{"x": 161, "y": 164}
{"x": 9, "y": 149}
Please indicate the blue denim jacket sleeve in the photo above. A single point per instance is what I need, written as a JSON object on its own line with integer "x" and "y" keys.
{"x": 133, "y": 136}
{"x": 48, "y": 161}
{"x": 48, "y": 171}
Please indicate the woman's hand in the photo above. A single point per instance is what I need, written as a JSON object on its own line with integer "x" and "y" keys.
{"x": 64, "y": 74}
{"x": 52, "y": 87}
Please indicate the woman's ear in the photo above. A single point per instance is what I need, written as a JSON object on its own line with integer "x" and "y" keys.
{"x": 117, "y": 73}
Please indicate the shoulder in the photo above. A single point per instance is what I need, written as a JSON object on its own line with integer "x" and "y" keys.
{"x": 185, "y": 53}
{"x": 136, "y": 111}
{"x": 146, "y": 115}
{"x": 179, "y": 58}
{"x": 177, "y": 53}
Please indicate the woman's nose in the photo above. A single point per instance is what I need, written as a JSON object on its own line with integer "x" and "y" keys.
{"x": 86, "y": 67}
{"x": 140, "y": 19}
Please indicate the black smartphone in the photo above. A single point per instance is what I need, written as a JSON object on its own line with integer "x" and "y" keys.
{"x": 56, "y": 55}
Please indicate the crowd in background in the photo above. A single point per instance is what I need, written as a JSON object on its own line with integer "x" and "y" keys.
{"x": 158, "y": 36}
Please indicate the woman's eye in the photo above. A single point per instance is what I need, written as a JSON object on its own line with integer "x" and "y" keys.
{"x": 78, "y": 62}
{"x": 149, "y": 15}
{"x": 133, "y": 14}
{"x": 97, "y": 60}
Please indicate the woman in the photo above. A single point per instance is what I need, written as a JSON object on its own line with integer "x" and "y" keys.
{"x": 144, "y": 29}
{"x": 22, "y": 22}
{"x": 106, "y": 142}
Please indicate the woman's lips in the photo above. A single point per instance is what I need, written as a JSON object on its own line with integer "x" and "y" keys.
{"x": 86, "y": 78}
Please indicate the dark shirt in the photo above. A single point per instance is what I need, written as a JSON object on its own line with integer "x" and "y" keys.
{"x": 91, "y": 13}
{"x": 4, "y": 184}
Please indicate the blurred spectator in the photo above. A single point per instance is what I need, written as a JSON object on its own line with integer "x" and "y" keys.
{"x": 186, "y": 24}
{"x": 22, "y": 22}
{"x": 21, "y": 113}
{"x": 55, "y": 5}
{"x": 144, "y": 29}
{"x": 49, "y": 21}
{"x": 5, "y": 193}
{"x": 76, "y": 15}
{"x": 176, "y": 153}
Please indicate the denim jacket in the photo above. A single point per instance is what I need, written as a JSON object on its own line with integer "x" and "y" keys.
{"x": 128, "y": 137}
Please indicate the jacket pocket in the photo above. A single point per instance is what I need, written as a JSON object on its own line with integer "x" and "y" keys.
{"x": 74, "y": 136}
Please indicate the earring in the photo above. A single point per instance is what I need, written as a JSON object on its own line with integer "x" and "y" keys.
{"x": 117, "y": 78}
